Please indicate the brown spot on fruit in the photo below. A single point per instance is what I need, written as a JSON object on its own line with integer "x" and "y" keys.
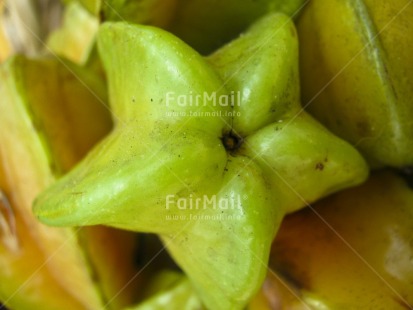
{"x": 319, "y": 166}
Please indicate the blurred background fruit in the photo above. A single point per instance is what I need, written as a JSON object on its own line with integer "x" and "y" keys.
{"x": 356, "y": 73}
{"x": 352, "y": 250}
{"x": 52, "y": 119}
{"x": 203, "y": 24}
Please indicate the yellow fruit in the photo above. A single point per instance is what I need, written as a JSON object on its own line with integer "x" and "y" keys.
{"x": 356, "y": 71}
{"x": 354, "y": 250}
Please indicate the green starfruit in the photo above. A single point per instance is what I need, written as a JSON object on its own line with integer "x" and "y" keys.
{"x": 209, "y": 153}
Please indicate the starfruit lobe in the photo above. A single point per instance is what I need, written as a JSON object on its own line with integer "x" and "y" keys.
{"x": 357, "y": 71}
{"x": 166, "y": 150}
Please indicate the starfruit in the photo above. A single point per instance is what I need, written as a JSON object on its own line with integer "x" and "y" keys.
{"x": 251, "y": 148}
{"x": 353, "y": 250}
{"x": 356, "y": 72}
{"x": 51, "y": 114}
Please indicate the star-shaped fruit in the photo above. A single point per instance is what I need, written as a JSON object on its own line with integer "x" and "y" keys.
{"x": 209, "y": 153}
